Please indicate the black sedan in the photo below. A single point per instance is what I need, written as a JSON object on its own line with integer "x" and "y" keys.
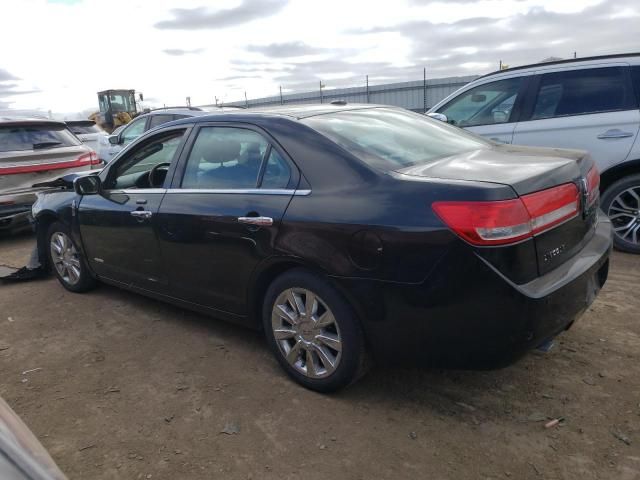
{"x": 346, "y": 232}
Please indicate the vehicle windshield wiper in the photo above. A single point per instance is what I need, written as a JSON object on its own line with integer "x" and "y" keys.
{"x": 36, "y": 146}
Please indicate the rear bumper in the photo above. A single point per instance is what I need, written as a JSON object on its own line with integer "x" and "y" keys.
{"x": 467, "y": 315}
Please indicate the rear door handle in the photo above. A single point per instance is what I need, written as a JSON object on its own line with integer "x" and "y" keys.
{"x": 259, "y": 221}
{"x": 615, "y": 133}
{"x": 142, "y": 214}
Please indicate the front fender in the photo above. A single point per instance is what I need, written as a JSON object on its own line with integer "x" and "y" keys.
{"x": 55, "y": 206}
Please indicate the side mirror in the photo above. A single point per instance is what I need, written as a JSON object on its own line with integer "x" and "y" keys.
{"x": 438, "y": 116}
{"x": 87, "y": 185}
{"x": 499, "y": 116}
{"x": 114, "y": 139}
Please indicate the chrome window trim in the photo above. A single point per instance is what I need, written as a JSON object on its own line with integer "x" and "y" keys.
{"x": 243, "y": 191}
{"x": 137, "y": 190}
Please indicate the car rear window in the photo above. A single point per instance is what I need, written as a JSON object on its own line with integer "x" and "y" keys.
{"x": 391, "y": 139}
{"x": 35, "y": 137}
{"x": 83, "y": 128}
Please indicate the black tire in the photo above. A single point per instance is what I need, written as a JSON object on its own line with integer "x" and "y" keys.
{"x": 83, "y": 281}
{"x": 608, "y": 197}
{"x": 352, "y": 357}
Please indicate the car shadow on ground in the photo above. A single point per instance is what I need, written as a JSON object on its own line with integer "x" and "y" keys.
{"x": 468, "y": 395}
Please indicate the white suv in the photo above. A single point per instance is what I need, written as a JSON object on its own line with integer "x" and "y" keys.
{"x": 590, "y": 104}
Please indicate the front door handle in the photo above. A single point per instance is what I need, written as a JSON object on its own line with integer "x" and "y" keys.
{"x": 258, "y": 221}
{"x": 615, "y": 133}
{"x": 142, "y": 214}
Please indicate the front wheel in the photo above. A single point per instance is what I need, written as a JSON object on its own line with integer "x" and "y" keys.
{"x": 313, "y": 331}
{"x": 67, "y": 262}
{"x": 621, "y": 203}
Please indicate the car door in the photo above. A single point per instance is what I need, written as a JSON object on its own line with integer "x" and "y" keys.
{"x": 118, "y": 226}
{"x": 590, "y": 109}
{"x": 222, "y": 213}
{"x": 490, "y": 109}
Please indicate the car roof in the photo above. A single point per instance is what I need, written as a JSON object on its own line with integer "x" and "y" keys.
{"x": 292, "y": 111}
{"x": 617, "y": 56}
{"x": 11, "y": 120}
{"x": 175, "y": 110}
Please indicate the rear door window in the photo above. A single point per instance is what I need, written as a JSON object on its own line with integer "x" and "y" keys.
{"x": 486, "y": 104}
{"x": 159, "y": 120}
{"x": 580, "y": 92}
{"x": 277, "y": 172}
{"x": 35, "y": 137}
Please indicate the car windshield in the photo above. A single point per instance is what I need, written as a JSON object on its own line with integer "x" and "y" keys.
{"x": 391, "y": 139}
{"x": 34, "y": 137}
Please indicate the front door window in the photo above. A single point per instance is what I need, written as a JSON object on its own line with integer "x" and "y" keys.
{"x": 486, "y": 104}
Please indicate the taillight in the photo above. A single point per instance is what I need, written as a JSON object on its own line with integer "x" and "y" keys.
{"x": 90, "y": 158}
{"x": 593, "y": 185}
{"x": 509, "y": 221}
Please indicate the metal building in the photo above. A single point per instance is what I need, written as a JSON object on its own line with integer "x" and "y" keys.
{"x": 409, "y": 95}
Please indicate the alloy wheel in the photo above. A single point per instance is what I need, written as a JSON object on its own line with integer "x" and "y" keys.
{"x": 65, "y": 258}
{"x": 306, "y": 332}
{"x": 624, "y": 213}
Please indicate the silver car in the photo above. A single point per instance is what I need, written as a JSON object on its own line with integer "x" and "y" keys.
{"x": 33, "y": 151}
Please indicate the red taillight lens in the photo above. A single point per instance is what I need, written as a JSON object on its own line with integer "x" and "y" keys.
{"x": 593, "y": 185}
{"x": 508, "y": 221}
{"x": 551, "y": 207}
{"x": 90, "y": 158}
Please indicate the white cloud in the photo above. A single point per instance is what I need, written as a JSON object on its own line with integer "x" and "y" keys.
{"x": 66, "y": 51}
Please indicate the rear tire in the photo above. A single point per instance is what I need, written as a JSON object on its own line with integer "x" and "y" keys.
{"x": 67, "y": 261}
{"x": 313, "y": 331}
{"x": 621, "y": 203}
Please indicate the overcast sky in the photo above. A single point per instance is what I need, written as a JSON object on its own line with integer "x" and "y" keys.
{"x": 56, "y": 54}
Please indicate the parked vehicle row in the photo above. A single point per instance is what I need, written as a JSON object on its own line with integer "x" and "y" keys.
{"x": 590, "y": 104}
{"x": 344, "y": 231}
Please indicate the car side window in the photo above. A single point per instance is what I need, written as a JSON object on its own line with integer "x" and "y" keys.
{"x": 156, "y": 120}
{"x": 579, "y": 92}
{"x": 486, "y": 104}
{"x": 277, "y": 172}
{"x": 133, "y": 130}
{"x": 225, "y": 158}
{"x": 133, "y": 170}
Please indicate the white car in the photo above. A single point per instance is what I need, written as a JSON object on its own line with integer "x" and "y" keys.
{"x": 126, "y": 134}
{"x": 589, "y": 104}
{"x": 92, "y": 136}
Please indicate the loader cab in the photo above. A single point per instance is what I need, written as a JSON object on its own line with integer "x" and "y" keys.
{"x": 114, "y": 101}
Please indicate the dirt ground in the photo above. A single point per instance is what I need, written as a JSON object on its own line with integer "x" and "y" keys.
{"x": 128, "y": 388}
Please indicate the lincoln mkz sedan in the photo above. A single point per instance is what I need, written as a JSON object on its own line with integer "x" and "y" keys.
{"x": 345, "y": 232}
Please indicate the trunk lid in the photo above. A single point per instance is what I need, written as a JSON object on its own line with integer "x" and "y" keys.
{"x": 527, "y": 170}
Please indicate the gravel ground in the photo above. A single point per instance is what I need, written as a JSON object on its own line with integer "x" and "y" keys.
{"x": 128, "y": 387}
